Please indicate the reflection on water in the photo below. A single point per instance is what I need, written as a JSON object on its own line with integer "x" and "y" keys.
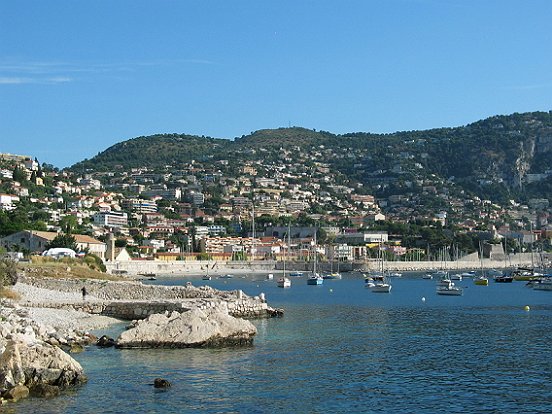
{"x": 344, "y": 350}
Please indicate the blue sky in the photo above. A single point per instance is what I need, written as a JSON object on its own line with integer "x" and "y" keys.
{"x": 79, "y": 76}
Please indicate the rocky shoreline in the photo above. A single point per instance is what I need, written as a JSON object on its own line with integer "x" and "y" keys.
{"x": 40, "y": 330}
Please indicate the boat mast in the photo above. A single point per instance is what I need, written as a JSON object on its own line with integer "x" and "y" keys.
{"x": 315, "y": 254}
{"x": 253, "y": 231}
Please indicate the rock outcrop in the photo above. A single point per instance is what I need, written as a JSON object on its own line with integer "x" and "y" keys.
{"x": 31, "y": 364}
{"x": 195, "y": 328}
{"x": 29, "y": 359}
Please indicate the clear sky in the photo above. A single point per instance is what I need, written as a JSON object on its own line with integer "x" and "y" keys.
{"x": 78, "y": 76}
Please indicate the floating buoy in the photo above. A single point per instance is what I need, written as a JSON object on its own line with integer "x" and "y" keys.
{"x": 331, "y": 290}
{"x": 527, "y": 308}
{"x": 423, "y": 298}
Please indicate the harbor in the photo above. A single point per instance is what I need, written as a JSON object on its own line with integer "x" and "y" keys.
{"x": 367, "y": 353}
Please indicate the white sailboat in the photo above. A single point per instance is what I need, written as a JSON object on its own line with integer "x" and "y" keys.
{"x": 380, "y": 283}
{"x": 314, "y": 278}
{"x": 284, "y": 281}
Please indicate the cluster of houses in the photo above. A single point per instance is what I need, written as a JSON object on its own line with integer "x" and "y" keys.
{"x": 179, "y": 213}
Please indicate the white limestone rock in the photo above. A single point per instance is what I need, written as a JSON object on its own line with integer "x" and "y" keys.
{"x": 195, "y": 328}
{"x": 38, "y": 363}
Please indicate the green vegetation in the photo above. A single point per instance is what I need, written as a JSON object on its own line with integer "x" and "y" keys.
{"x": 63, "y": 240}
{"x": 8, "y": 272}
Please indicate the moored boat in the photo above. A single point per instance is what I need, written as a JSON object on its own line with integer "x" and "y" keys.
{"x": 481, "y": 281}
{"x": 332, "y": 276}
{"x": 296, "y": 274}
{"x": 525, "y": 274}
{"x": 503, "y": 279}
{"x": 381, "y": 287}
{"x": 315, "y": 279}
{"x": 543, "y": 284}
{"x": 450, "y": 291}
{"x": 283, "y": 282}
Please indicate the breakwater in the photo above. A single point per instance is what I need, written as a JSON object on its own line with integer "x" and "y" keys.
{"x": 134, "y": 300}
{"x": 472, "y": 261}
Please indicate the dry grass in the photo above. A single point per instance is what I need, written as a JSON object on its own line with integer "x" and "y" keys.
{"x": 7, "y": 293}
{"x": 64, "y": 268}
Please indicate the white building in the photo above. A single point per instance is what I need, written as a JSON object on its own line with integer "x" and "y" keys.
{"x": 7, "y": 201}
{"x": 111, "y": 219}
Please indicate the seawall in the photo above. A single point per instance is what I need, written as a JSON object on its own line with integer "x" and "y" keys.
{"x": 135, "y": 267}
{"x": 134, "y": 300}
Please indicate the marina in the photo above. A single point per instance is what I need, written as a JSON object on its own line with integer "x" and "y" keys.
{"x": 389, "y": 344}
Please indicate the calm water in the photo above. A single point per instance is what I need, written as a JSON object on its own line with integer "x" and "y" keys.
{"x": 341, "y": 348}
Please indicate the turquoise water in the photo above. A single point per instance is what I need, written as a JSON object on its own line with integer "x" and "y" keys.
{"x": 341, "y": 348}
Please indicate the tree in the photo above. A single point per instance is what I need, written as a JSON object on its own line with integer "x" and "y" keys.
{"x": 63, "y": 240}
{"x": 68, "y": 223}
{"x": 19, "y": 175}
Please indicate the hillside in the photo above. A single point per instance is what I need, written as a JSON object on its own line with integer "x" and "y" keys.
{"x": 491, "y": 158}
{"x": 153, "y": 151}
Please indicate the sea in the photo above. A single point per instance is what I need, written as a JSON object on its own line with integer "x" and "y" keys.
{"x": 340, "y": 348}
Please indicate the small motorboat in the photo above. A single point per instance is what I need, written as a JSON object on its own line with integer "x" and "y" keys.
{"x": 450, "y": 291}
{"x": 315, "y": 279}
{"x": 283, "y": 282}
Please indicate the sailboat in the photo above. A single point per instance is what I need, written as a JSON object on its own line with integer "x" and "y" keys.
{"x": 482, "y": 279}
{"x": 314, "y": 278}
{"x": 379, "y": 283}
{"x": 284, "y": 281}
{"x": 332, "y": 274}
{"x": 207, "y": 276}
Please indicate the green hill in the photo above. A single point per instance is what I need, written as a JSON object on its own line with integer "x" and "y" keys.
{"x": 491, "y": 158}
{"x": 154, "y": 151}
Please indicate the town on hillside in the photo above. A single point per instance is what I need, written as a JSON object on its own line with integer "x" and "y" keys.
{"x": 256, "y": 211}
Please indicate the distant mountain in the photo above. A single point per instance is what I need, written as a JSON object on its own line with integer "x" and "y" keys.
{"x": 491, "y": 157}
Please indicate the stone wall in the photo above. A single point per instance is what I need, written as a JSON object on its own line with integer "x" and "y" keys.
{"x": 180, "y": 267}
{"x": 195, "y": 267}
{"x": 134, "y": 300}
{"x": 128, "y": 290}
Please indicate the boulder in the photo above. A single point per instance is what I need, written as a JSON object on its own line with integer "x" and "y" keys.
{"x": 161, "y": 383}
{"x": 195, "y": 328}
{"x": 45, "y": 391}
{"x": 76, "y": 348}
{"x": 105, "y": 342}
{"x": 38, "y": 363}
{"x": 16, "y": 393}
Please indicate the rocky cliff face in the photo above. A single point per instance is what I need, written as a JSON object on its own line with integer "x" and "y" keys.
{"x": 524, "y": 161}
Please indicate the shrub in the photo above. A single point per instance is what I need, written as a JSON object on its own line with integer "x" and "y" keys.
{"x": 8, "y": 272}
{"x": 95, "y": 263}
